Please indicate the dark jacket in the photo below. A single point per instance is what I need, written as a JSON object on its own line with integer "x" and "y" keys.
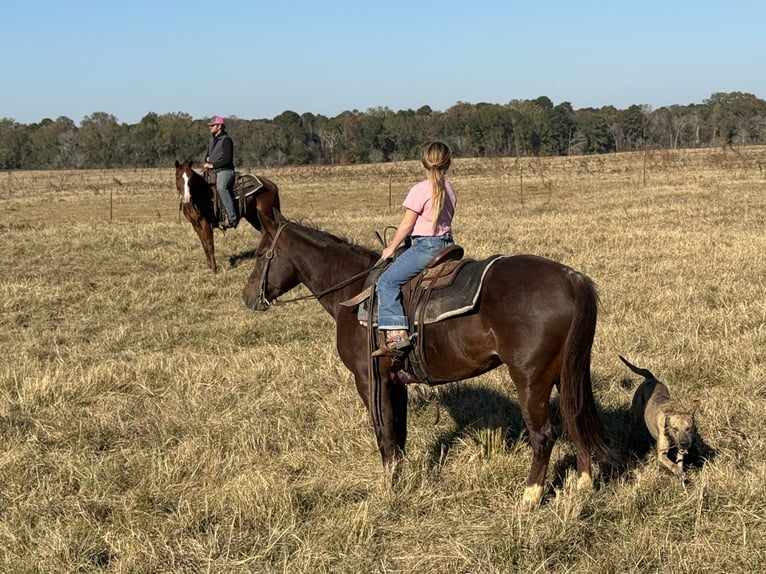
{"x": 220, "y": 151}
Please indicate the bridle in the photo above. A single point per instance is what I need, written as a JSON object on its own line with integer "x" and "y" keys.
{"x": 270, "y": 254}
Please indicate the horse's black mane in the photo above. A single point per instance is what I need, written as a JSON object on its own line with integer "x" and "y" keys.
{"x": 326, "y": 239}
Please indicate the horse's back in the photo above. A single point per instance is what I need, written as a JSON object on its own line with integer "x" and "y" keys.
{"x": 529, "y": 278}
{"x": 268, "y": 184}
{"x": 271, "y": 201}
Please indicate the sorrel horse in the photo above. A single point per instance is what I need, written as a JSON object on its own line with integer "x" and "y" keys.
{"x": 200, "y": 211}
{"x": 535, "y": 315}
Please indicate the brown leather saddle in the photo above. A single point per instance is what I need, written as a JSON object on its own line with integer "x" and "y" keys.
{"x": 245, "y": 184}
{"x": 448, "y": 286}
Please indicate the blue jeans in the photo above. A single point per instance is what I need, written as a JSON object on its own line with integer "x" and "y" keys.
{"x": 405, "y": 267}
{"x": 224, "y": 181}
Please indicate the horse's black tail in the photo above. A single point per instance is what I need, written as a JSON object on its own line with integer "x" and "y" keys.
{"x": 578, "y": 406}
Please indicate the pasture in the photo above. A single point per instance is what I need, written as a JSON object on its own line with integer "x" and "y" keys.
{"x": 151, "y": 423}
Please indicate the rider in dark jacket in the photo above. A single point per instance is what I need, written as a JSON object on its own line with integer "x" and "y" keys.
{"x": 220, "y": 158}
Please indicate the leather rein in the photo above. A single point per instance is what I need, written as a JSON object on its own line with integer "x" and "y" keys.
{"x": 270, "y": 254}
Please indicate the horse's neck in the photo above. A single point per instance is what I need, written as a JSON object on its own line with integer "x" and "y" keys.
{"x": 201, "y": 183}
{"x": 326, "y": 265}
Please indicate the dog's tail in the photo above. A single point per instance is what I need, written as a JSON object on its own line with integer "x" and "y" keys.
{"x": 578, "y": 407}
{"x": 646, "y": 373}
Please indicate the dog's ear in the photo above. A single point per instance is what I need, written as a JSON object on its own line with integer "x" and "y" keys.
{"x": 695, "y": 408}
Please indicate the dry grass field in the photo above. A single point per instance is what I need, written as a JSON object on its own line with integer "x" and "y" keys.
{"x": 149, "y": 422}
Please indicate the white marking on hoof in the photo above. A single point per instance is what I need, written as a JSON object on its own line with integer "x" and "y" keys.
{"x": 585, "y": 481}
{"x": 533, "y": 495}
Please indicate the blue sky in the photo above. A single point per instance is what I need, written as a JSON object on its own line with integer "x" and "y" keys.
{"x": 256, "y": 59}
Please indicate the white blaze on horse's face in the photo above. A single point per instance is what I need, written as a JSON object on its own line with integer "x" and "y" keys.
{"x": 187, "y": 193}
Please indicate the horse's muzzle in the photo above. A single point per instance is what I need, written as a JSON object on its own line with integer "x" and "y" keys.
{"x": 259, "y": 305}
{"x": 255, "y": 301}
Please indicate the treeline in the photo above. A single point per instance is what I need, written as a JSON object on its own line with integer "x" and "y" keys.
{"x": 520, "y": 128}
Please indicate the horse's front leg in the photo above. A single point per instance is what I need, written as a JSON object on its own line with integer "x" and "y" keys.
{"x": 383, "y": 395}
{"x": 204, "y": 231}
{"x": 386, "y": 401}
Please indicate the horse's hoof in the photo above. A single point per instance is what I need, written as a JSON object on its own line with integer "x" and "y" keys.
{"x": 585, "y": 482}
{"x": 532, "y": 495}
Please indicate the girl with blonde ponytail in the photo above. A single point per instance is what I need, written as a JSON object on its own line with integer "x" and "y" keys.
{"x": 429, "y": 209}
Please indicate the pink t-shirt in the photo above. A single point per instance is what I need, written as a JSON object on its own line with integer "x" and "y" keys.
{"x": 419, "y": 201}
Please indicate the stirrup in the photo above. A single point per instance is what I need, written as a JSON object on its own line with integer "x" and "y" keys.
{"x": 224, "y": 223}
{"x": 396, "y": 347}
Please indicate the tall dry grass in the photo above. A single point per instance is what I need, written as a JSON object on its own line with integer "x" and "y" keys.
{"x": 150, "y": 423}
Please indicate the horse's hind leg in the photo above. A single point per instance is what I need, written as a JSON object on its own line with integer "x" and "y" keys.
{"x": 535, "y": 408}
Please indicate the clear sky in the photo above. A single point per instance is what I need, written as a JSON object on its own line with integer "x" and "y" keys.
{"x": 256, "y": 59}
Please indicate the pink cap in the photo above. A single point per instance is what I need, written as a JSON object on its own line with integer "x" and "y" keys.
{"x": 216, "y": 121}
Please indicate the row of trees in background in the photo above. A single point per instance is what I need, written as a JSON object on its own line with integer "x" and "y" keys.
{"x": 519, "y": 128}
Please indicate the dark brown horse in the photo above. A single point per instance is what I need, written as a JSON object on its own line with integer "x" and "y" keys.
{"x": 200, "y": 210}
{"x": 536, "y": 316}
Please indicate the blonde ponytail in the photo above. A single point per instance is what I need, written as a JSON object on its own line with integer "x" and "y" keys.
{"x": 436, "y": 159}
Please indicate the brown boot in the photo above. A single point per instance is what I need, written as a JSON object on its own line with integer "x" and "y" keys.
{"x": 397, "y": 344}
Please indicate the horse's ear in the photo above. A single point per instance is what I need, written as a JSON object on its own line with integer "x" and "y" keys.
{"x": 178, "y": 164}
{"x": 267, "y": 224}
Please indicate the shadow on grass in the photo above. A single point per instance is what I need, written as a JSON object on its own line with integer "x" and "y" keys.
{"x": 238, "y": 258}
{"x": 474, "y": 408}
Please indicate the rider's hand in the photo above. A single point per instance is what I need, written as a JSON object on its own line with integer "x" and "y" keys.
{"x": 388, "y": 252}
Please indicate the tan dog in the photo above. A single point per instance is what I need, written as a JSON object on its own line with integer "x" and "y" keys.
{"x": 670, "y": 426}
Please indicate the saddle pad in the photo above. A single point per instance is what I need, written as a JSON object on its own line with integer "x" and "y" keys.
{"x": 460, "y": 296}
{"x": 246, "y": 183}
